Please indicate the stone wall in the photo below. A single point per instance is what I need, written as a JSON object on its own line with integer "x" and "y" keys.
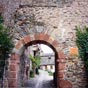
{"x": 59, "y": 22}
{"x": 75, "y": 72}
{"x": 24, "y": 71}
{"x": 58, "y": 18}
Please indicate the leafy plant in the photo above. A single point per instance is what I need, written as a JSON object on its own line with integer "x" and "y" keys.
{"x": 82, "y": 43}
{"x": 31, "y": 74}
{"x": 1, "y": 19}
{"x": 50, "y": 73}
{"x": 36, "y": 60}
{"x": 6, "y": 45}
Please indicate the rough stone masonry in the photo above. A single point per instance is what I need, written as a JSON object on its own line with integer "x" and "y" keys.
{"x": 58, "y": 18}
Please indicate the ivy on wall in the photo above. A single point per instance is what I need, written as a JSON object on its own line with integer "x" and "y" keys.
{"x": 82, "y": 43}
{"x": 6, "y": 46}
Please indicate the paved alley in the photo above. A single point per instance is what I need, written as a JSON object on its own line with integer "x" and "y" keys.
{"x": 43, "y": 80}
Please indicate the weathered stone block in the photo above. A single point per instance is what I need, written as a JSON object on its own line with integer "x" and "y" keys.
{"x": 60, "y": 75}
{"x": 37, "y": 36}
{"x": 12, "y": 83}
{"x": 55, "y": 43}
{"x": 27, "y": 39}
{"x": 61, "y": 55}
{"x": 65, "y": 84}
{"x": 12, "y": 67}
{"x": 12, "y": 74}
{"x": 18, "y": 45}
{"x": 61, "y": 66}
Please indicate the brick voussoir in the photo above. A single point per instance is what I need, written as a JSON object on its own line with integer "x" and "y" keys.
{"x": 27, "y": 39}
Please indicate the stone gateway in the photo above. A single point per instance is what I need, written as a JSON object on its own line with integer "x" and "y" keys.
{"x": 50, "y": 22}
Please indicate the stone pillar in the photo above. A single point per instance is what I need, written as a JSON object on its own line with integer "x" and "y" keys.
{"x": 61, "y": 82}
{"x": 13, "y": 71}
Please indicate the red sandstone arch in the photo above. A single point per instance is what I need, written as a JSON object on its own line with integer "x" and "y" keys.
{"x": 14, "y": 60}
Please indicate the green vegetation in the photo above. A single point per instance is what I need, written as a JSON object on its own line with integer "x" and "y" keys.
{"x": 6, "y": 46}
{"x": 82, "y": 43}
{"x": 31, "y": 74}
{"x": 50, "y": 73}
{"x": 1, "y": 20}
{"x": 36, "y": 60}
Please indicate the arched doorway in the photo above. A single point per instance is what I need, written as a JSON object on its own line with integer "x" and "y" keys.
{"x": 47, "y": 60}
{"x": 18, "y": 50}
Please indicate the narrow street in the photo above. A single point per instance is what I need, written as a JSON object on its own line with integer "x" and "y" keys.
{"x": 43, "y": 80}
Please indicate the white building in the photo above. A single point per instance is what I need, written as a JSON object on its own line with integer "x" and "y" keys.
{"x": 48, "y": 62}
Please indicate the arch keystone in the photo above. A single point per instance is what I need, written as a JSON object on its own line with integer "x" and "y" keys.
{"x": 37, "y": 36}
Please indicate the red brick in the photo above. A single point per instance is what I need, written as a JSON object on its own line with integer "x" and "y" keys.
{"x": 17, "y": 57}
{"x": 41, "y": 36}
{"x": 61, "y": 55}
{"x": 60, "y": 75}
{"x": 55, "y": 43}
{"x": 61, "y": 66}
{"x": 61, "y": 60}
{"x": 12, "y": 74}
{"x": 12, "y": 67}
{"x": 36, "y": 36}
{"x": 64, "y": 84}
{"x": 12, "y": 83}
{"x": 14, "y": 56}
{"x": 27, "y": 39}
{"x": 23, "y": 42}
{"x": 14, "y": 62}
{"x": 46, "y": 37}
